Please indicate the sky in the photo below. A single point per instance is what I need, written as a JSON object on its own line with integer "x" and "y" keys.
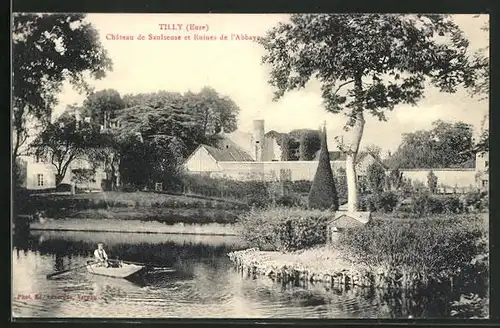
{"x": 233, "y": 68}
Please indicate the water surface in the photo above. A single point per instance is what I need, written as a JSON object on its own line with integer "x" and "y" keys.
{"x": 205, "y": 284}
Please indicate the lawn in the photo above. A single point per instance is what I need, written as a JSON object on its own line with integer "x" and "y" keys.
{"x": 149, "y": 206}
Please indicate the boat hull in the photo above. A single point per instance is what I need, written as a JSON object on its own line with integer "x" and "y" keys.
{"x": 125, "y": 271}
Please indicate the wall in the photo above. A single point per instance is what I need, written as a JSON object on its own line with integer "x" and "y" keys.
{"x": 201, "y": 161}
{"x": 295, "y": 170}
{"x": 450, "y": 178}
{"x": 49, "y": 174}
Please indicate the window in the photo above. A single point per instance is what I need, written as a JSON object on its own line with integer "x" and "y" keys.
{"x": 485, "y": 163}
{"x": 485, "y": 183}
{"x": 39, "y": 178}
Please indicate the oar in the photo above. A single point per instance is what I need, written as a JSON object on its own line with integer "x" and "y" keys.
{"x": 68, "y": 270}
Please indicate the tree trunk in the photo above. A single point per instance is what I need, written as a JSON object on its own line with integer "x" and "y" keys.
{"x": 59, "y": 178}
{"x": 357, "y": 133}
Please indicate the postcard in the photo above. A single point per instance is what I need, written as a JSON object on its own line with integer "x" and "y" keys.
{"x": 250, "y": 166}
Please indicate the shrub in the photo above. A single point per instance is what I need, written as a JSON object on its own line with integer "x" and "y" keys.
{"x": 375, "y": 177}
{"x": 63, "y": 187}
{"x": 453, "y": 204}
{"x": 386, "y": 201}
{"x": 127, "y": 187}
{"x": 292, "y": 200}
{"x": 299, "y": 186}
{"x": 432, "y": 182}
{"x": 341, "y": 185}
{"x": 323, "y": 194}
{"x": 432, "y": 247}
{"x": 284, "y": 229}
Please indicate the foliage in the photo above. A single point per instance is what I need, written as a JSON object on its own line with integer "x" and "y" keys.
{"x": 437, "y": 247}
{"x": 470, "y": 306}
{"x": 376, "y": 177}
{"x": 65, "y": 140}
{"x": 82, "y": 175}
{"x": 323, "y": 194}
{"x": 432, "y": 182}
{"x": 385, "y": 202}
{"x": 18, "y": 173}
{"x": 385, "y": 58}
{"x": 47, "y": 50}
{"x": 284, "y": 229}
{"x": 341, "y": 185}
{"x": 301, "y": 144}
{"x": 394, "y": 181}
{"x": 157, "y": 132}
{"x": 102, "y": 106}
{"x": 250, "y": 192}
{"x": 445, "y": 145}
{"x": 424, "y": 204}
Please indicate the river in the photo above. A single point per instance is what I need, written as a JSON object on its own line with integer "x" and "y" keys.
{"x": 205, "y": 284}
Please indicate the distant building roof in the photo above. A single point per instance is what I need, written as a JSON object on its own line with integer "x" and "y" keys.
{"x": 227, "y": 151}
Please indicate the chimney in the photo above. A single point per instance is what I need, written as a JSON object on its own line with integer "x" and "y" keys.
{"x": 258, "y": 134}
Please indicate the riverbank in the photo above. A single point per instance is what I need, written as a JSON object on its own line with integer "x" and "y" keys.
{"x": 135, "y": 226}
{"x": 291, "y": 246}
{"x": 323, "y": 264}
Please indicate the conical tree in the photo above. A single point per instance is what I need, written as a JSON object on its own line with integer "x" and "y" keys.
{"x": 323, "y": 194}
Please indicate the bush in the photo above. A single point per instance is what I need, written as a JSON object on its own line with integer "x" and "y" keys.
{"x": 453, "y": 204}
{"x": 127, "y": 187}
{"x": 292, "y": 200}
{"x": 386, "y": 201}
{"x": 423, "y": 204}
{"x": 63, "y": 187}
{"x": 431, "y": 247}
{"x": 299, "y": 186}
{"x": 284, "y": 229}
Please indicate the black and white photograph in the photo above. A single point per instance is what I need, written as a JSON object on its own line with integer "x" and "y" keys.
{"x": 253, "y": 166}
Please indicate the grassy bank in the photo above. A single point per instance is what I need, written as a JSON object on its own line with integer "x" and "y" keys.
{"x": 146, "y": 206}
{"x": 135, "y": 226}
{"x": 387, "y": 252}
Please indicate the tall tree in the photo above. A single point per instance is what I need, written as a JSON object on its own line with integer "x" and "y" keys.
{"x": 323, "y": 193}
{"x": 383, "y": 60}
{"x": 445, "y": 145}
{"x": 65, "y": 140}
{"x": 47, "y": 50}
{"x": 103, "y": 106}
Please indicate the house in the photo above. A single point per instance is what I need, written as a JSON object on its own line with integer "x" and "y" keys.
{"x": 40, "y": 174}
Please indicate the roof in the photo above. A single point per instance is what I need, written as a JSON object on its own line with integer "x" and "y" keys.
{"x": 227, "y": 151}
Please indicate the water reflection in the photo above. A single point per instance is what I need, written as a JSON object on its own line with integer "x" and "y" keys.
{"x": 205, "y": 283}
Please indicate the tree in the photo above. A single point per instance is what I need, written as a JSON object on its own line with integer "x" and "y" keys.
{"x": 103, "y": 106}
{"x": 83, "y": 176}
{"x": 47, "y": 50}
{"x": 66, "y": 140}
{"x": 394, "y": 180}
{"x": 376, "y": 178}
{"x": 323, "y": 194}
{"x": 432, "y": 181}
{"x": 445, "y": 145}
{"x": 308, "y": 142}
{"x": 384, "y": 59}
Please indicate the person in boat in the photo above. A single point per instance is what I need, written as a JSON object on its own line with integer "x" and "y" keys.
{"x": 100, "y": 255}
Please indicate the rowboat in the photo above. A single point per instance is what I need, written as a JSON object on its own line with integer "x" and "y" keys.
{"x": 125, "y": 270}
